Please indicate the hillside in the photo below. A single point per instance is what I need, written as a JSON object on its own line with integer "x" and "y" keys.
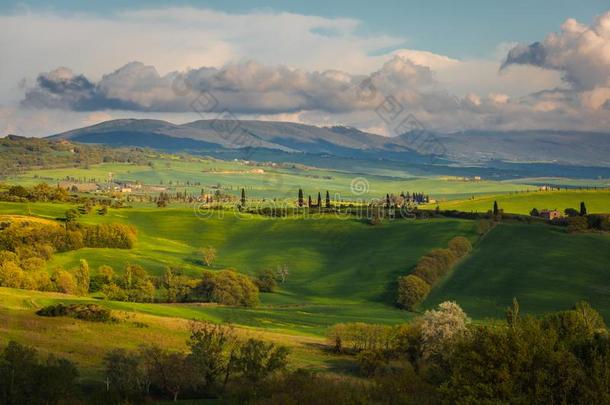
{"x": 468, "y": 147}
{"x": 597, "y": 201}
{"x": 545, "y": 268}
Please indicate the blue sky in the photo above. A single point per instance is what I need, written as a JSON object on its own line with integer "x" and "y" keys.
{"x": 459, "y": 29}
{"x": 486, "y": 65}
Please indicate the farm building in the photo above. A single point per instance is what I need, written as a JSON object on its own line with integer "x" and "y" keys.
{"x": 550, "y": 214}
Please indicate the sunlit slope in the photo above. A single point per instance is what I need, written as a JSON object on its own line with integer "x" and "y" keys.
{"x": 523, "y": 202}
{"x": 545, "y": 268}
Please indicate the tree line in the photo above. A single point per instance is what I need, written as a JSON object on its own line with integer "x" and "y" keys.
{"x": 438, "y": 357}
{"x": 415, "y": 287}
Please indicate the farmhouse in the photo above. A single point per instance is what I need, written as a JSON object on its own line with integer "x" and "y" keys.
{"x": 550, "y": 214}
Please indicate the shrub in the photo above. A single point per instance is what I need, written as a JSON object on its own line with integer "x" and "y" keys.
{"x": 85, "y": 312}
{"x": 358, "y": 336}
{"x": 371, "y": 362}
{"x": 460, "y": 245}
{"x": 265, "y": 281}
{"x": 411, "y": 291}
{"x": 64, "y": 282}
{"x": 576, "y": 224}
{"x": 228, "y": 287}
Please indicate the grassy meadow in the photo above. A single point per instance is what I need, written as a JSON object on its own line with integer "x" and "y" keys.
{"x": 279, "y": 181}
{"x": 597, "y": 201}
{"x": 86, "y": 343}
{"x": 544, "y": 267}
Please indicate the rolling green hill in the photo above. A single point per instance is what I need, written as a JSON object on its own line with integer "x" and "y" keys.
{"x": 597, "y": 201}
{"x": 545, "y": 268}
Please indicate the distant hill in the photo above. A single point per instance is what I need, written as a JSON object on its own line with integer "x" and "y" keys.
{"x": 466, "y": 148}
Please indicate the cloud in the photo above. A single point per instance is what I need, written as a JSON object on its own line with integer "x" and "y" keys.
{"x": 580, "y": 52}
{"x": 242, "y": 88}
{"x": 284, "y": 66}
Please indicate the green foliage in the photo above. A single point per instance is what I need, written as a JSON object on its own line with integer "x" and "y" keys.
{"x": 82, "y": 277}
{"x": 210, "y": 347}
{"x": 266, "y": 281}
{"x": 358, "y": 336}
{"x": 208, "y": 255}
{"x": 256, "y": 360}
{"x": 85, "y": 312}
{"x": 577, "y": 224}
{"x": 227, "y": 287}
{"x": 460, "y": 245}
{"x": 411, "y": 291}
{"x": 25, "y": 378}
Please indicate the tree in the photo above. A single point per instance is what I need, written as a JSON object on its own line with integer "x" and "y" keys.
{"x": 71, "y": 215}
{"x": 300, "y": 199}
{"x": 169, "y": 371}
{"x": 327, "y": 199}
{"x": 534, "y": 212}
{"x": 460, "y": 245}
{"x": 282, "y": 272}
{"x": 583, "y": 209}
{"x": 208, "y": 255}
{"x": 82, "y": 276}
{"x": 265, "y": 281}
{"x": 64, "y": 282}
{"x": 228, "y": 287}
{"x": 257, "y": 360}
{"x": 319, "y": 200}
{"x": 124, "y": 377}
{"x": 440, "y": 326}
{"x": 106, "y": 273}
{"x": 496, "y": 211}
{"x": 483, "y": 226}
{"x": 309, "y": 201}
{"x": 571, "y": 212}
{"x": 512, "y": 314}
{"x": 243, "y": 197}
{"x": 210, "y": 352}
{"x": 25, "y": 379}
{"x": 411, "y": 291}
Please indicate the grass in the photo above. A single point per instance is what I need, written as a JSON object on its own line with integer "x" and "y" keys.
{"x": 281, "y": 181}
{"x": 545, "y": 268}
{"x": 86, "y": 342}
{"x": 340, "y": 270}
{"x": 597, "y": 201}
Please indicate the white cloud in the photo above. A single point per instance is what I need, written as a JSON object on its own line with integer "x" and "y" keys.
{"x": 267, "y": 65}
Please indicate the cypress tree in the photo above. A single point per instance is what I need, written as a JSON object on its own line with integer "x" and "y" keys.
{"x": 327, "y": 199}
{"x": 496, "y": 208}
{"x": 583, "y": 209}
{"x": 300, "y": 198}
{"x": 309, "y": 201}
{"x": 387, "y": 200}
{"x": 319, "y": 200}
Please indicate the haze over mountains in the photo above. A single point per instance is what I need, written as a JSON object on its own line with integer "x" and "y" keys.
{"x": 468, "y": 147}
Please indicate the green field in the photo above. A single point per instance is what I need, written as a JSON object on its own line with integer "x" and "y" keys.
{"x": 545, "y": 268}
{"x": 597, "y": 201}
{"x": 340, "y": 269}
{"x": 279, "y": 181}
{"x": 86, "y": 342}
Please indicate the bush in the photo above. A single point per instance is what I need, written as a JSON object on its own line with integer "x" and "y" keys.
{"x": 460, "y": 245}
{"x": 266, "y": 282}
{"x": 411, "y": 291}
{"x": 577, "y": 224}
{"x": 85, "y": 312}
{"x": 227, "y": 287}
{"x": 358, "y": 336}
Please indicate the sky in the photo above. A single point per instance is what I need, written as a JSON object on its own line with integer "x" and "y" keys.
{"x": 453, "y": 65}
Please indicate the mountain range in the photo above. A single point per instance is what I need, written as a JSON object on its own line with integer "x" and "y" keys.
{"x": 474, "y": 147}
